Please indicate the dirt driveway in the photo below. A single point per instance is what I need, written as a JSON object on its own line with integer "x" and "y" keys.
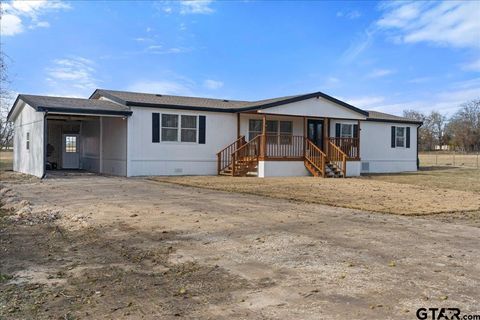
{"x": 140, "y": 249}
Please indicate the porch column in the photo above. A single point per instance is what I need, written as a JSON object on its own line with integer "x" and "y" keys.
{"x": 263, "y": 142}
{"x": 326, "y": 140}
{"x": 358, "y": 140}
{"x": 238, "y": 125}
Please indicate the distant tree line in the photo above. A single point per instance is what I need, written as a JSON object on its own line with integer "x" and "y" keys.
{"x": 460, "y": 132}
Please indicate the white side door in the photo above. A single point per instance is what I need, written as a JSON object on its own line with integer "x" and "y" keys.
{"x": 70, "y": 151}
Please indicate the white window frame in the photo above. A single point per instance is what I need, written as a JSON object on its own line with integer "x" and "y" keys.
{"x": 342, "y": 125}
{"x": 404, "y": 137}
{"x": 179, "y": 128}
{"x": 27, "y": 141}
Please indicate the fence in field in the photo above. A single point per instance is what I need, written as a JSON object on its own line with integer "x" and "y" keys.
{"x": 454, "y": 159}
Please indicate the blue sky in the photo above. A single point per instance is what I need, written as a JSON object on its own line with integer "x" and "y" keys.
{"x": 386, "y": 56}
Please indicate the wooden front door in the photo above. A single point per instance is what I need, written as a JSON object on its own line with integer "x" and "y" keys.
{"x": 315, "y": 132}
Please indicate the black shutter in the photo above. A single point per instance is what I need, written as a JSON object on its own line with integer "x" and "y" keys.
{"x": 337, "y": 130}
{"x": 355, "y": 131}
{"x": 393, "y": 136}
{"x": 155, "y": 127}
{"x": 201, "y": 129}
{"x": 408, "y": 138}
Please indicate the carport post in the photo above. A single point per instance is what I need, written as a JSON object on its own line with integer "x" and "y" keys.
{"x": 45, "y": 143}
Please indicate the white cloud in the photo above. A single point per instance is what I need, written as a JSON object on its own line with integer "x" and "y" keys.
{"x": 420, "y": 80}
{"x": 19, "y": 15}
{"x": 10, "y": 25}
{"x": 363, "y": 102}
{"x": 358, "y": 46}
{"x": 196, "y": 7}
{"x": 378, "y": 73}
{"x": 472, "y": 66}
{"x": 180, "y": 87}
{"x": 212, "y": 84}
{"x": 74, "y": 76}
{"x": 454, "y": 23}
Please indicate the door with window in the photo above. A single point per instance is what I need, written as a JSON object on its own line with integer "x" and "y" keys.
{"x": 70, "y": 151}
{"x": 315, "y": 132}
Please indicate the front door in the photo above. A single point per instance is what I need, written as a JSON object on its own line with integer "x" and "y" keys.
{"x": 315, "y": 132}
{"x": 70, "y": 151}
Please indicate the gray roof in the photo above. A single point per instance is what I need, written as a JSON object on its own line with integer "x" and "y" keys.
{"x": 122, "y": 100}
{"x": 139, "y": 98}
{"x": 207, "y": 104}
{"x": 73, "y": 105}
{"x": 380, "y": 116}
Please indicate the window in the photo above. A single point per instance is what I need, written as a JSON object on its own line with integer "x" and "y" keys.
{"x": 274, "y": 128}
{"x": 346, "y": 130}
{"x": 184, "y": 130}
{"x": 169, "y": 127}
{"x": 254, "y": 128}
{"x": 286, "y": 131}
{"x": 400, "y": 137}
{"x": 189, "y": 129}
{"x": 28, "y": 141}
{"x": 70, "y": 144}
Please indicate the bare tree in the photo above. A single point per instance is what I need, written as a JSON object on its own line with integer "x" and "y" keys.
{"x": 464, "y": 127}
{"x": 6, "y": 128}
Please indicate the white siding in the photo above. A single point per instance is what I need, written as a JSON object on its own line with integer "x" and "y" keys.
{"x": 29, "y": 161}
{"x": 177, "y": 158}
{"x": 282, "y": 169}
{"x": 375, "y": 148}
{"x": 315, "y": 107}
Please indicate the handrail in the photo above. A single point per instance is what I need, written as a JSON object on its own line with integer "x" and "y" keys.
{"x": 315, "y": 156}
{"x": 337, "y": 157}
{"x": 350, "y": 146}
{"x": 246, "y": 155}
{"x": 224, "y": 156}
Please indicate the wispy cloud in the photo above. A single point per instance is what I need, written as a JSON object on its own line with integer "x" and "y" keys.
{"x": 420, "y": 80}
{"x": 360, "y": 44}
{"x": 447, "y": 23}
{"x": 472, "y": 66}
{"x": 73, "y": 76}
{"x": 21, "y": 15}
{"x": 185, "y": 7}
{"x": 196, "y": 7}
{"x": 212, "y": 84}
{"x": 354, "y": 14}
{"x": 379, "y": 73}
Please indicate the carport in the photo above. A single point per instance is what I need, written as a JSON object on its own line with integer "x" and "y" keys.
{"x": 78, "y": 134}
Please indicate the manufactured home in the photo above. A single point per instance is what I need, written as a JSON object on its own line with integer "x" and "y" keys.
{"x": 139, "y": 134}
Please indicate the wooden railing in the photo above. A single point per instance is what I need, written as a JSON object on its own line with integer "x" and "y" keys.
{"x": 224, "y": 157}
{"x": 245, "y": 157}
{"x": 337, "y": 157}
{"x": 349, "y": 146}
{"x": 315, "y": 156}
{"x": 284, "y": 146}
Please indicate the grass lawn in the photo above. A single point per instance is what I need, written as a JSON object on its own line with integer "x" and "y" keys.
{"x": 6, "y": 160}
{"x": 435, "y": 177}
{"x": 429, "y": 191}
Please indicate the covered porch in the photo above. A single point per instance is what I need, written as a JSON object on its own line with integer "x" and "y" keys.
{"x": 320, "y": 145}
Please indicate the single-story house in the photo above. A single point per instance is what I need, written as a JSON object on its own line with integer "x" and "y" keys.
{"x": 139, "y": 134}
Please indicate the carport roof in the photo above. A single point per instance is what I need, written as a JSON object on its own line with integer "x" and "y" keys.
{"x": 72, "y": 105}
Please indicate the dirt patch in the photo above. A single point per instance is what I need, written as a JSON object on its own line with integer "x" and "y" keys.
{"x": 363, "y": 194}
{"x": 53, "y": 273}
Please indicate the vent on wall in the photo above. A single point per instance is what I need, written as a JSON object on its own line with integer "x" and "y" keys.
{"x": 365, "y": 166}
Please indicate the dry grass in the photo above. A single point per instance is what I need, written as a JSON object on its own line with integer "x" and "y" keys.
{"x": 450, "y": 159}
{"x": 365, "y": 193}
{"x": 6, "y": 160}
{"x": 435, "y": 177}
